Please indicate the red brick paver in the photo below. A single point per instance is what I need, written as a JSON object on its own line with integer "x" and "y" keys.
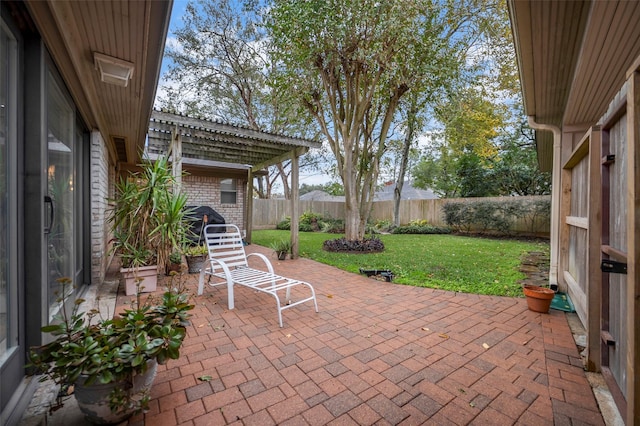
{"x": 376, "y": 353}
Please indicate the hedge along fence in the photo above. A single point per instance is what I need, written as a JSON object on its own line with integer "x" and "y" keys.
{"x": 511, "y": 215}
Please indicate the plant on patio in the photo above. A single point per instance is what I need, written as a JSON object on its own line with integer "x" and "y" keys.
{"x": 282, "y": 248}
{"x": 195, "y": 256}
{"x": 120, "y": 353}
{"x": 147, "y": 220}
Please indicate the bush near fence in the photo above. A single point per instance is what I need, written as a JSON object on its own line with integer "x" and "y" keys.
{"x": 267, "y": 213}
{"x": 496, "y": 217}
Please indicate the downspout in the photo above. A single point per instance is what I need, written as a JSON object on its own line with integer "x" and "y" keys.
{"x": 555, "y": 197}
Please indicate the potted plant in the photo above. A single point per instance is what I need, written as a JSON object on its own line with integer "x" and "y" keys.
{"x": 281, "y": 247}
{"x": 195, "y": 256}
{"x": 147, "y": 222}
{"x": 111, "y": 362}
{"x": 174, "y": 264}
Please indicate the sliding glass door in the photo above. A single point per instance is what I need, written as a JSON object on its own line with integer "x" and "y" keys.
{"x": 11, "y": 345}
{"x": 60, "y": 198}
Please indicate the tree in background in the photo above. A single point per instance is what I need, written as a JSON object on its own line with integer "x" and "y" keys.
{"x": 350, "y": 63}
{"x": 484, "y": 147}
{"x": 511, "y": 170}
{"x": 220, "y": 69}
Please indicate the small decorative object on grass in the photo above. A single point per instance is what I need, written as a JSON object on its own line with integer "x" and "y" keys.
{"x": 112, "y": 362}
{"x": 538, "y": 298}
{"x": 381, "y": 274}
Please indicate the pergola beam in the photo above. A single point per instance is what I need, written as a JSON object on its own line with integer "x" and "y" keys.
{"x": 280, "y": 158}
{"x": 225, "y": 145}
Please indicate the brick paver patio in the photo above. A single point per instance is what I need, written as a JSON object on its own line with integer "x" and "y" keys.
{"x": 376, "y": 353}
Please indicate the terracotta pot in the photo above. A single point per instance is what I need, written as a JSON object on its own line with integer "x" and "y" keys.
{"x": 538, "y": 298}
{"x": 172, "y": 267}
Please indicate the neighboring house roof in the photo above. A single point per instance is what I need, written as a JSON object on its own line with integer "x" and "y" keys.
{"x": 131, "y": 32}
{"x": 409, "y": 192}
{"x": 569, "y": 57}
{"x": 386, "y": 194}
{"x": 318, "y": 195}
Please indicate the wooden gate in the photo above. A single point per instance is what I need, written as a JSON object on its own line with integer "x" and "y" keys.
{"x": 614, "y": 309}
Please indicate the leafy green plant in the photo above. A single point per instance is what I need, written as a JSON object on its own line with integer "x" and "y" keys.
{"x": 420, "y": 229}
{"x": 175, "y": 257}
{"x": 197, "y": 250}
{"x": 281, "y": 246}
{"x": 383, "y": 225}
{"x": 148, "y": 215}
{"x": 486, "y": 216}
{"x": 113, "y": 349}
{"x": 285, "y": 224}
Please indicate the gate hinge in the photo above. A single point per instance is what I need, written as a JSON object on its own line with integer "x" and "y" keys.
{"x": 613, "y": 267}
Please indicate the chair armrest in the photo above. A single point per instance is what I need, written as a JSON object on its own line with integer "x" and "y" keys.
{"x": 209, "y": 270}
{"x": 264, "y": 259}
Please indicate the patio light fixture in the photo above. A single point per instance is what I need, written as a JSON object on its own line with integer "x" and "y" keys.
{"x": 113, "y": 70}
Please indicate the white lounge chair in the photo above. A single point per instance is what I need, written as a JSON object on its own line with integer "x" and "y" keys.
{"x": 228, "y": 263}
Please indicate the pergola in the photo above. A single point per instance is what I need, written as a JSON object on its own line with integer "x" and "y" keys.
{"x": 229, "y": 148}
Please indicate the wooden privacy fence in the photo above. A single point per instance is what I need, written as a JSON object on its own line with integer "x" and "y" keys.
{"x": 267, "y": 213}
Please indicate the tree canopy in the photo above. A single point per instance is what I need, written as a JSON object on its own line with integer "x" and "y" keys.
{"x": 220, "y": 68}
{"x": 351, "y": 62}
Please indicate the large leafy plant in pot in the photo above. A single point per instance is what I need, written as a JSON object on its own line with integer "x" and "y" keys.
{"x": 114, "y": 358}
{"x": 147, "y": 221}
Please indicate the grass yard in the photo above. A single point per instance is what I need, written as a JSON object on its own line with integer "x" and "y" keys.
{"x": 448, "y": 262}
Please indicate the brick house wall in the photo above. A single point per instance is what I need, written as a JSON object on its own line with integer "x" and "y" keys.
{"x": 102, "y": 182}
{"x": 205, "y": 191}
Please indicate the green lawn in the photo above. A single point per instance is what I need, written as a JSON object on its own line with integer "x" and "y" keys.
{"x": 465, "y": 264}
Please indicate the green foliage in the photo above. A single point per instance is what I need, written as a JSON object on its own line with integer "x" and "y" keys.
{"x": 331, "y": 188}
{"x": 148, "y": 215}
{"x": 313, "y": 222}
{"x": 349, "y": 63}
{"x": 494, "y": 216}
{"x": 448, "y": 262}
{"x": 420, "y": 229}
{"x": 285, "y": 224}
{"x": 175, "y": 257}
{"x": 420, "y": 226}
{"x": 419, "y": 222}
{"x": 281, "y": 246}
{"x": 113, "y": 349}
{"x": 383, "y": 225}
{"x": 197, "y": 250}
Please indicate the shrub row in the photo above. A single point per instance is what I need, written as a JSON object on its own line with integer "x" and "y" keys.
{"x": 495, "y": 216}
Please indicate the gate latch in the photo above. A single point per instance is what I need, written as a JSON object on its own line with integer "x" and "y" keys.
{"x": 613, "y": 267}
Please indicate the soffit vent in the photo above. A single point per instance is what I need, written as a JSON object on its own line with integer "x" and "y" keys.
{"x": 121, "y": 148}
